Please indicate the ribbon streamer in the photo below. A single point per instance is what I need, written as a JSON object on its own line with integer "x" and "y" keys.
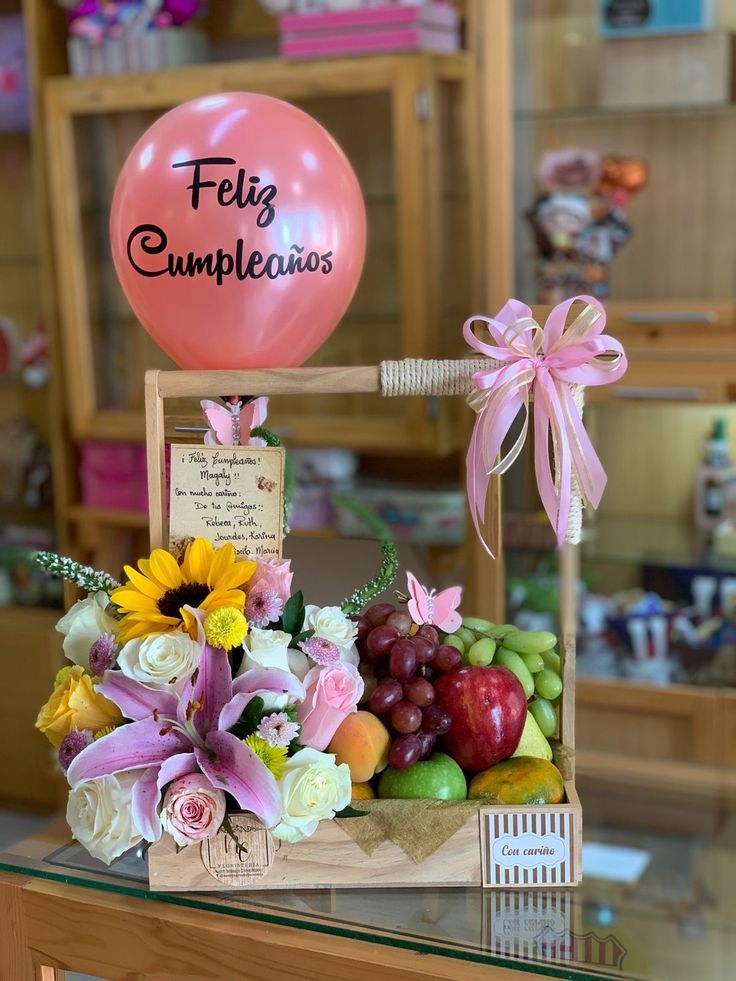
{"x": 543, "y": 362}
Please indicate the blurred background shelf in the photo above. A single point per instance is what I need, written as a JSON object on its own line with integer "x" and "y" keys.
{"x": 671, "y": 304}
{"x": 600, "y": 112}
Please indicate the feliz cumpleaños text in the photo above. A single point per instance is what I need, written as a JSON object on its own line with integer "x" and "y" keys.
{"x": 240, "y": 191}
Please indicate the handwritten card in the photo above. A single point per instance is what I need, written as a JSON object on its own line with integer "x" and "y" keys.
{"x": 228, "y": 494}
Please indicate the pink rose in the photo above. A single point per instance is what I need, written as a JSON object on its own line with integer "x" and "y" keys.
{"x": 275, "y": 573}
{"x": 193, "y": 809}
{"x": 332, "y": 693}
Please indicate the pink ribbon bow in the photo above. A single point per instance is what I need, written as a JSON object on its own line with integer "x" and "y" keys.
{"x": 543, "y": 361}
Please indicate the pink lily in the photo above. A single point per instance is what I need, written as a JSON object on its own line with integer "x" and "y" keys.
{"x": 173, "y": 734}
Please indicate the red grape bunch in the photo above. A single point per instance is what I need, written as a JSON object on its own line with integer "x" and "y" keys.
{"x": 398, "y": 663}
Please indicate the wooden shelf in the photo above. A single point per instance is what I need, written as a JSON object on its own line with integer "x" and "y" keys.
{"x": 107, "y": 517}
{"x": 675, "y": 111}
{"x": 93, "y": 94}
{"x": 22, "y": 514}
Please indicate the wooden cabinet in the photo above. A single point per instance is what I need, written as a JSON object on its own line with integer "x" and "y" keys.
{"x": 728, "y": 727}
{"x": 659, "y": 757}
{"x": 29, "y": 774}
{"x": 678, "y": 723}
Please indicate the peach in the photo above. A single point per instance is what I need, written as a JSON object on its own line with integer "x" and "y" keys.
{"x": 362, "y": 741}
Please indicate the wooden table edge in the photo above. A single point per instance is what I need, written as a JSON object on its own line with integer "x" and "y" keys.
{"x": 48, "y": 927}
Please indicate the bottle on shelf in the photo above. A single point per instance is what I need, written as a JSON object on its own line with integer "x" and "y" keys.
{"x": 715, "y": 483}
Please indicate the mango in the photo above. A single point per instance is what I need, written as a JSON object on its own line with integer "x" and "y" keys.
{"x": 363, "y": 791}
{"x": 362, "y": 741}
{"x": 519, "y": 780}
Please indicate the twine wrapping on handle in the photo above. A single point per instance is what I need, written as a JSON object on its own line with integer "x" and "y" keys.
{"x": 414, "y": 376}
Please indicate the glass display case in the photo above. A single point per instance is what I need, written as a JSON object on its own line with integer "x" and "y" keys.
{"x": 651, "y": 908}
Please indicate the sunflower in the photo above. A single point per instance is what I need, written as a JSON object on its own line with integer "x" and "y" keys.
{"x": 153, "y": 599}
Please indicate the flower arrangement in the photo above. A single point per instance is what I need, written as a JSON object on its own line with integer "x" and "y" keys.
{"x": 197, "y": 687}
{"x": 96, "y": 20}
{"x": 204, "y": 685}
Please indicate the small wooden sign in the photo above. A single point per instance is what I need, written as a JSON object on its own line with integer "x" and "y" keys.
{"x": 228, "y": 494}
{"x": 242, "y": 861}
{"x": 529, "y": 847}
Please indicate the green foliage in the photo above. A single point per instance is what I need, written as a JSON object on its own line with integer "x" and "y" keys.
{"x": 361, "y": 596}
{"x": 350, "y": 812}
{"x": 293, "y": 618}
{"x": 271, "y": 439}
{"x": 80, "y": 575}
{"x": 248, "y": 721}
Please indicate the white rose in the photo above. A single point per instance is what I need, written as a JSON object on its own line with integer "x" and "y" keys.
{"x": 298, "y": 663}
{"x": 83, "y": 624}
{"x": 100, "y": 815}
{"x": 160, "y": 659}
{"x": 332, "y": 624}
{"x": 268, "y": 649}
{"x": 313, "y": 789}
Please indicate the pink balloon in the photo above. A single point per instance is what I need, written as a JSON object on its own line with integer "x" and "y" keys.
{"x": 238, "y": 232}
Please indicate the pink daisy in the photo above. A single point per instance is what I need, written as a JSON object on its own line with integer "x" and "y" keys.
{"x": 103, "y": 654}
{"x": 277, "y": 729}
{"x": 263, "y": 606}
{"x": 72, "y": 745}
{"x": 321, "y": 650}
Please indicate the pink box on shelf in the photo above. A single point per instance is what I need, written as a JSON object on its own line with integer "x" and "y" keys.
{"x": 113, "y": 475}
{"x": 431, "y": 26}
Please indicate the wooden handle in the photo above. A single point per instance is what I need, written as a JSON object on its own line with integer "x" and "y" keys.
{"x": 266, "y": 381}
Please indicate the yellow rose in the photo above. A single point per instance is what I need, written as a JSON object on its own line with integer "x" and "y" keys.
{"x": 74, "y": 704}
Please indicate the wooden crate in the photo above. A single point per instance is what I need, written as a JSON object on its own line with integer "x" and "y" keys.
{"x": 507, "y": 847}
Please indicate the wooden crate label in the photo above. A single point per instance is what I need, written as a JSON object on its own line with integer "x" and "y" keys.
{"x": 228, "y": 494}
{"x": 527, "y": 848}
{"x": 240, "y": 863}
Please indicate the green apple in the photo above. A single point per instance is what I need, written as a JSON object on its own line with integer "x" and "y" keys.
{"x": 533, "y": 742}
{"x": 439, "y": 777}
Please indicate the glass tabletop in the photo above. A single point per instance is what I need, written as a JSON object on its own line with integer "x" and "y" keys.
{"x": 652, "y": 907}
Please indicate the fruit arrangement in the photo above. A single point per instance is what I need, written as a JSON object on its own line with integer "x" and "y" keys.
{"x": 449, "y": 700}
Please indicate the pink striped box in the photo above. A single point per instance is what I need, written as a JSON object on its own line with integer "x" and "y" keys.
{"x": 431, "y": 26}
{"x": 113, "y": 475}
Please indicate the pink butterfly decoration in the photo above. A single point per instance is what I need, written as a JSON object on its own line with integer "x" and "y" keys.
{"x": 230, "y": 425}
{"x": 438, "y": 609}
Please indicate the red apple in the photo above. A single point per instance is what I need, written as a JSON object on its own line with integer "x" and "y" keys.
{"x": 488, "y": 711}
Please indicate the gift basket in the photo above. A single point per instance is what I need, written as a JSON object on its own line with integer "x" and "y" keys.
{"x": 246, "y": 737}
